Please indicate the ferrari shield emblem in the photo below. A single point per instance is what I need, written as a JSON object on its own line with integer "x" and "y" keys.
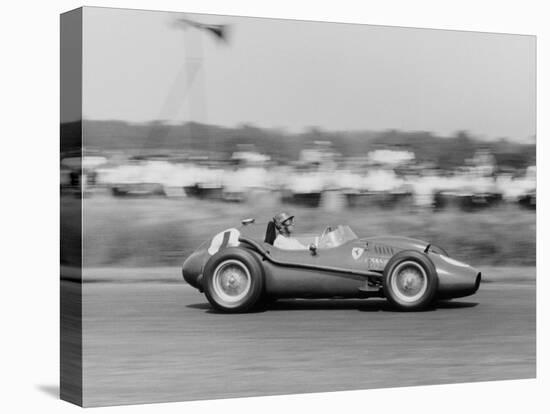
{"x": 356, "y": 252}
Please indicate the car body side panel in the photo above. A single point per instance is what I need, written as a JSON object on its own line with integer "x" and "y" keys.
{"x": 351, "y": 255}
{"x": 291, "y": 282}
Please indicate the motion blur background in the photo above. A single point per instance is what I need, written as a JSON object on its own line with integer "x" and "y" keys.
{"x": 193, "y": 122}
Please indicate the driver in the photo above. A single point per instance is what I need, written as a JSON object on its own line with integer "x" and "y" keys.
{"x": 284, "y": 223}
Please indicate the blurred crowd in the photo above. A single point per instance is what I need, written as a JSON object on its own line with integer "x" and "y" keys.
{"x": 386, "y": 177}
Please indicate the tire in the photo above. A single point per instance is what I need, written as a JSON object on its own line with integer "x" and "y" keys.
{"x": 233, "y": 280}
{"x": 410, "y": 281}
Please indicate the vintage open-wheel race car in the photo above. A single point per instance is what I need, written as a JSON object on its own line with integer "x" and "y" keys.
{"x": 237, "y": 270}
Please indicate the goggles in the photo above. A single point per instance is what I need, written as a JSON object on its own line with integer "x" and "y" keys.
{"x": 288, "y": 222}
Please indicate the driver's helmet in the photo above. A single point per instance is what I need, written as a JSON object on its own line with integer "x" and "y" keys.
{"x": 283, "y": 220}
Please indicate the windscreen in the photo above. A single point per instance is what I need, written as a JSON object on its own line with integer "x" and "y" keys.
{"x": 336, "y": 237}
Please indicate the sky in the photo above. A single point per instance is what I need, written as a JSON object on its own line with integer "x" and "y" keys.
{"x": 140, "y": 66}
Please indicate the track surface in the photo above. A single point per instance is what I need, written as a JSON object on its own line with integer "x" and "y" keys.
{"x": 151, "y": 342}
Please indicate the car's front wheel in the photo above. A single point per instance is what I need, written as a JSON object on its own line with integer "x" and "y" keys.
{"x": 410, "y": 280}
{"x": 233, "y": 280}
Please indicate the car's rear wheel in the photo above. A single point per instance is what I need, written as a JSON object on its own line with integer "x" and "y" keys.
{"x": 233, "y": 280}
{"x": 410, "y": 280}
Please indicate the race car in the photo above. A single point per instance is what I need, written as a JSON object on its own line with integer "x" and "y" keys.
{"x": 237, "y": 270}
